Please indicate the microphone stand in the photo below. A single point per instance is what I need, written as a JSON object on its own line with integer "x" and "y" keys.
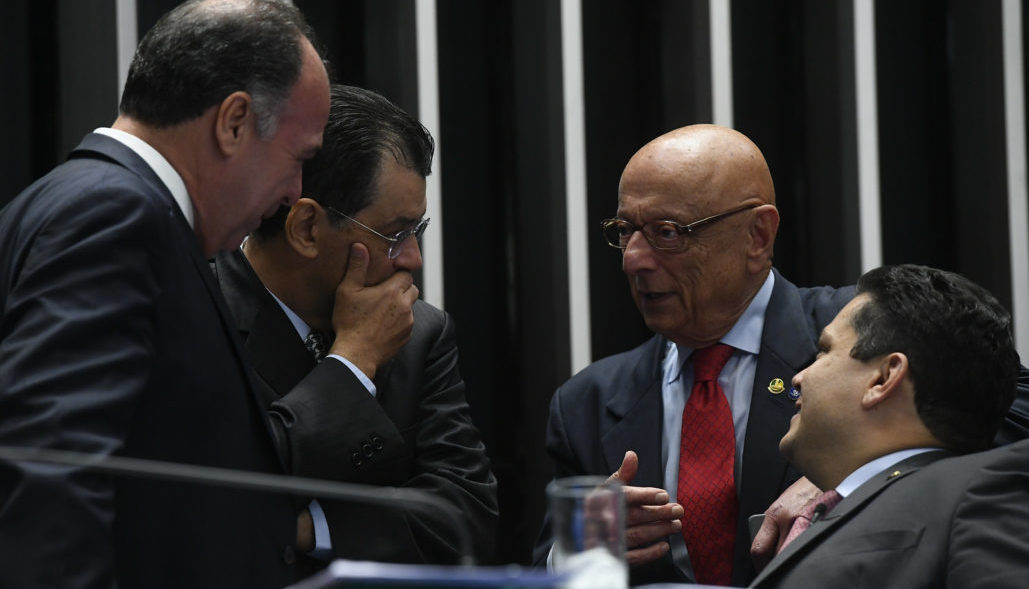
{"x": 241, "y": 479}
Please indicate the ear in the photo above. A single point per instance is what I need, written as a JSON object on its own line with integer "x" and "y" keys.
{"x": 234, "y": 122}
{"x": 888, "y": 381}
{"x": 762, "y": 236}
{"x": 302, "y": 227}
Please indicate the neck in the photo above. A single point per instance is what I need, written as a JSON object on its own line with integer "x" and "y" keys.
{"x": 876, "y": 445}
{"x": 282, "y": 273}
{"x": 721, "y": 323}
{"x": 186, "y": 148}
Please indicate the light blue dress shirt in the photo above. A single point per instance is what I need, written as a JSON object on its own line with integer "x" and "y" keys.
{"x": 737, "y": 380}
{"x": 869, "y": 470}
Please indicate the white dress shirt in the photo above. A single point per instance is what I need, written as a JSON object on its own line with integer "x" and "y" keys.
{"x": 164, "y": 170}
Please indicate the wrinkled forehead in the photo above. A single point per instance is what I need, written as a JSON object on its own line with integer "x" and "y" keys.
{"x": 696, "y": 172}
{"x": 675, "y": 184}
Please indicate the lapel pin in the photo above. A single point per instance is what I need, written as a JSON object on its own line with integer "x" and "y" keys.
{"x": 893, "y": 475}
{"x": 794, "y": 394}
{"x": 776, "y": 386}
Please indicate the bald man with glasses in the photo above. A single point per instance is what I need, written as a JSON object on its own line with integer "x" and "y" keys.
{"x": 690, "y": 421}
{"x": 695, "y": 223}
{"x": 361, "y": 376}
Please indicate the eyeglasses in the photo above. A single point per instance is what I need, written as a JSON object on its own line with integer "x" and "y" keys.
{"x": 666, "y": 236}
{"x": 396, "y": 241}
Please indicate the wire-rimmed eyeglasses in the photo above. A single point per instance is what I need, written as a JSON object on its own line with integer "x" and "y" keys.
{"x": 666, "y": 236}
{"x": 396, "y": 241}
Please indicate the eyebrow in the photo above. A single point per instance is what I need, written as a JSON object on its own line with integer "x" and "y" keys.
{"x": 401, "y": 223}
{"x": 407, "y": 220}
{"x": 656, "y": 218}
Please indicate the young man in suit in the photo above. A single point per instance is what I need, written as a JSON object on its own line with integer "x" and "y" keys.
{"x": 386, "y": 406}
{"x": 918, "y": 367}
{"x": 114, "y": 338}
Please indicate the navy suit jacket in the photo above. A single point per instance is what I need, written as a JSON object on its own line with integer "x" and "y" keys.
{"x": 928, "y": 521}
{"x": 114, "y": 339}
{"x": 615, "y": 405}
{"x": 415, "y": 433}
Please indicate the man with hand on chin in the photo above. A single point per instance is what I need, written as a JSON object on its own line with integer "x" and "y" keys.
{"x": 359, "y": 375}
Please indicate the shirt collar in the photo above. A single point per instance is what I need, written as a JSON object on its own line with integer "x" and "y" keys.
{"x": 869, "y": 470}
{"x": 164, "y": 170}
{"x": 745, "y": 335}
{"x": 303, "y": 329}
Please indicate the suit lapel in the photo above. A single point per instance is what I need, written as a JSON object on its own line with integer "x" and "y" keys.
{"x": 97, "y": 145}
{"x": 786, "y": 346}
{"x": 637, "y": 409}
{"x": 848, "y": 508}
{"x": 278, "y": 355}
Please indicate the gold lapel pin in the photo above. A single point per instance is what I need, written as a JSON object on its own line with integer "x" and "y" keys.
{"x": 776, "y": 386}
{"x": 893, "y": 475}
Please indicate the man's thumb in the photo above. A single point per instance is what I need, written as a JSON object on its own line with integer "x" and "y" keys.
{"x": 357, "y": 265}
{"x": 627, "y": 470}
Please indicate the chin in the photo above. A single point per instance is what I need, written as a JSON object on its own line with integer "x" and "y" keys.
{"x": 233, "y": 242}
{"x": 786, "y": 446}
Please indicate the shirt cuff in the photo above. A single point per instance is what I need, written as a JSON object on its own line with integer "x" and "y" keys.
{"x": 322, "y": 539}
{"x": 367, "y": 382}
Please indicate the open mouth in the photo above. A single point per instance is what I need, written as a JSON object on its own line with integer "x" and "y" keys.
{"x": 654, "y": 296}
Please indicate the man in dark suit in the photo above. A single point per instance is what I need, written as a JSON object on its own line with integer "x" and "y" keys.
{"x": 114, "y": 339}
{"x": 386, "y": 406}
{"x": 696, "y": 284}
{"x": 919, "y": 366}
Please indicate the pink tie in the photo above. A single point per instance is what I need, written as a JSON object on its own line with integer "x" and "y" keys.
{"x": 827, "y": 500}
{"x": 707, "y": 453}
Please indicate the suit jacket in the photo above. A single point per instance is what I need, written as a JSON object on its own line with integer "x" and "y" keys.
{"x": 114, "y": 339}
{"x": 416, "y": 432}
{"x": 615, "y": 405}
{"x": 958, "y": 522}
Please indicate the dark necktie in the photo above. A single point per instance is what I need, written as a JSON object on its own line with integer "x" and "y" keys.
{"x": 316, "y": 344}
{"x": 707, "y": 453}
{"x": 827, "y": 500}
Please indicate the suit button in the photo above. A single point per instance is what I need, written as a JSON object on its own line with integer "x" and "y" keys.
{"x": 289, "y": 556}
{"x": 355, "y": 459}
{"x": 366, "y": 449}
{"x": 377, "y": 442}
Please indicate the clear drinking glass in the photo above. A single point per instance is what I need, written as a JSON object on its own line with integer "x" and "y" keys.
{"x": 588, "y": 514}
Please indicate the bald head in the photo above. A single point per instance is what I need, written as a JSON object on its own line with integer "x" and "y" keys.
{"x": 711, "y": 165}
{"x": 694, "y": 295}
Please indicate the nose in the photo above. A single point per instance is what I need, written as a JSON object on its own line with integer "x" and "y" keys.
{"x": 798, "y": 381}
{"x": 638, "y": 255}
{"x": 410, "y": 257}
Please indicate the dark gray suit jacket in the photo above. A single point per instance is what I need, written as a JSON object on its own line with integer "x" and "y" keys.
{"x": 615, "y": 405}
{"x": 114, "y": 339}
{"x": 958, "y": 522}
{"x": 416, "y": 433}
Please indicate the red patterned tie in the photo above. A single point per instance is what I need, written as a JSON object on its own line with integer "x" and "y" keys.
{"x": 707, "y": 453}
